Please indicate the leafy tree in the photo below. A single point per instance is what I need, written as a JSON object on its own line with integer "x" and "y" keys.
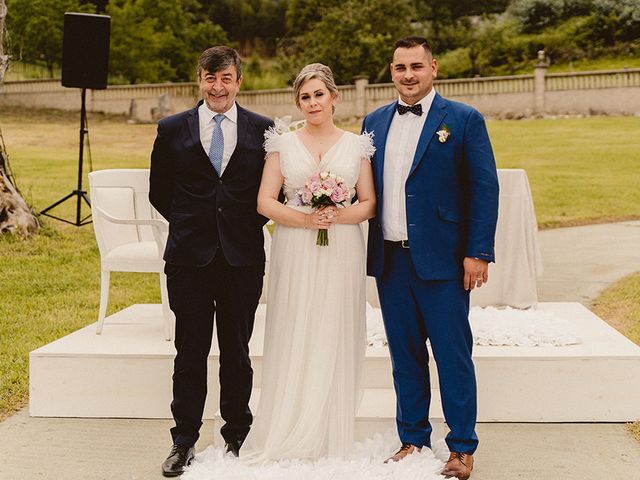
{"x": 253, "y": 24}
{"x": 536, "y": 15}
{"x": 498, "y": 49}
{"x": 303, "y": 14}
{"x": 136, "y": 44}
{"x": 573, "y": 29}
{"x": 449, "y": 24}
{"x": 15, "y": 214}
{"x": 356, "y": 37}
{"x": 101, "y": 5}
{"x": 616, "y": 20}
{"x": 447, "y": 11}
{"x": 233, "y": 16}
{"x": 151, "y": 40}
{"x": 186, "y": 34}
{"x": 4, "y": 58}
{"x": 36, "y": 28}
{"x": 158, "y": 40}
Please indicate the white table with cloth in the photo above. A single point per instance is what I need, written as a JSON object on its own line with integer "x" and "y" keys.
{"x": 512, "y": 278}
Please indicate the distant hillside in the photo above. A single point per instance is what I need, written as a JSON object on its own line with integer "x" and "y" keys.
{"x": 575, "y": 34}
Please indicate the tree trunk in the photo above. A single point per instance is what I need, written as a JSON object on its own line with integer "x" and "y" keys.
{"x": 4, "y": 59}
{"x": 15, "y": 214}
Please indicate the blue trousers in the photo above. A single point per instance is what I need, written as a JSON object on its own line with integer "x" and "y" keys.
{"x": 415, "y": 310}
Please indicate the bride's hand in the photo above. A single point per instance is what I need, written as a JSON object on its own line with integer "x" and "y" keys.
{"x": 331, "y": 213}
{"x": 321, "y": 219}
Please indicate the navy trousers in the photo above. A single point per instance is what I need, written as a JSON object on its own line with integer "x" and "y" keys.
{"x": 415, "y": 310}
{"x": 195, "y": 295}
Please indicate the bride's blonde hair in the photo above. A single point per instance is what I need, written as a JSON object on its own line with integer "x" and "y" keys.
{"x": 314, "y": 70}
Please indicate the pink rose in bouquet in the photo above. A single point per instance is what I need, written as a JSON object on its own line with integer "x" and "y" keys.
{"x": 339, "y": 194}
{"x": 323, "y": 189}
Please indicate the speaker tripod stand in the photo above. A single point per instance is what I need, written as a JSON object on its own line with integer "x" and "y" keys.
{"x": 79, "y": 194}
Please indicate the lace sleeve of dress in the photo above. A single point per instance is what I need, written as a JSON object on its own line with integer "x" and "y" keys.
{"x": 272, "y": 141}
{"x": 366, "y": 145}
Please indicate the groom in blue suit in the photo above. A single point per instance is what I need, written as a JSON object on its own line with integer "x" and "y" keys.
{"x": 429, "y": 245}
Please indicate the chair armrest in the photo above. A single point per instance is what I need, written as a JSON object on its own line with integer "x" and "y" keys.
{"x": 160, "y": 228}
{"x": 163, "y": 225}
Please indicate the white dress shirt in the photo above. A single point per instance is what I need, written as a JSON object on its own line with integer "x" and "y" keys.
{"x": 229, "y": 127}
{"x": 402, "y": 141}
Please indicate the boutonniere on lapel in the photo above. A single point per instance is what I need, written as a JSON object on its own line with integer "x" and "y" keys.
{"x": 444, "y": 133}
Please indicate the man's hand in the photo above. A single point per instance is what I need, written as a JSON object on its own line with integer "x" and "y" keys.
{"x": 476, "y": 272}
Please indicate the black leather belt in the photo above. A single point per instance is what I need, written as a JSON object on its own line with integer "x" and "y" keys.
{"x": 401, "y": 243}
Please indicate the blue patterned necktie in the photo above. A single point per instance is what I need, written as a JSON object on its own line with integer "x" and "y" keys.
{"x": 216, "y": 150}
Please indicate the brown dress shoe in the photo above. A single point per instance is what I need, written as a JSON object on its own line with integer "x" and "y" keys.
{"x": 459, "y": 465}
{"x": 405, "y": 449}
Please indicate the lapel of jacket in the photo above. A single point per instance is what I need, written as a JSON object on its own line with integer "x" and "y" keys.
{"x": 381, "y": 130}
{"x": 243, "y": 128}
{"x": 193, "y": 121}
{"x": 436, "y": 115}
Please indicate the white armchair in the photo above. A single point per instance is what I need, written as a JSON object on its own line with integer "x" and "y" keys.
{"x": 131, "y": 235}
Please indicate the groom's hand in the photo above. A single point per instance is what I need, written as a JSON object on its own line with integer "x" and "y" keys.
{"x": 476, "y": 272}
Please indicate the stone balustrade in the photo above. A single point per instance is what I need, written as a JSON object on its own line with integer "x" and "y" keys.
{"x": 603, "y": 92}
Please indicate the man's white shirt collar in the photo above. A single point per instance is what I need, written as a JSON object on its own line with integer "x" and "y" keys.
{"x": 229, "y": 130}
{"x": 208, "y": 114}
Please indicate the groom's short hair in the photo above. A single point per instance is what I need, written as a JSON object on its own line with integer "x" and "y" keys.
{"x": 218, "y": 58}
{"x": 413, "y": 41}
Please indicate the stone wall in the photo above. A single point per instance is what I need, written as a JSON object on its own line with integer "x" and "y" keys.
{"x": 597, "y": 92}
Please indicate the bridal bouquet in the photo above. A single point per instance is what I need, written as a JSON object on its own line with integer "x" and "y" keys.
{"x": 323, "y": 189}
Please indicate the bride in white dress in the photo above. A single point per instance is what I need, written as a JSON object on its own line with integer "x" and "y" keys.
{"x": 315, "y": 336}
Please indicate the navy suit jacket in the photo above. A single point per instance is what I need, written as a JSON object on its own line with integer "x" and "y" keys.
{"x": 206, "y": 211}
{"x": 451, "y": 192}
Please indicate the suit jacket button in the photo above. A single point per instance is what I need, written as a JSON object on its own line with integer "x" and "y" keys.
{"x": 220, "y": 181}
{"x": 220, "y": 209}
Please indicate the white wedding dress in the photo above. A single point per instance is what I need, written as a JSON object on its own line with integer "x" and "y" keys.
{"x": 315, "y": 334}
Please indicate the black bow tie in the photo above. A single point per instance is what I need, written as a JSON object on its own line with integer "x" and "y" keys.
{"x": 415, "y": 109}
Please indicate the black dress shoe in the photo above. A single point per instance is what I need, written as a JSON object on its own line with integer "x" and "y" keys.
{"x": 233, "y": 447}
{"x": 179, "y": 458}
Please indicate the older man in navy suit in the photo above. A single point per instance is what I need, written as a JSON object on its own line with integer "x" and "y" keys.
{"x": 206, "y": 167}
{"x": 430, "y": 245}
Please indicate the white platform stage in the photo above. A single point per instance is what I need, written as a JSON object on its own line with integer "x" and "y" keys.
{"x": 126, "y": 372}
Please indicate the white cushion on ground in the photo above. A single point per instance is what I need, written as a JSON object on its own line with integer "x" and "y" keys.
{"x": 497, "y": 327}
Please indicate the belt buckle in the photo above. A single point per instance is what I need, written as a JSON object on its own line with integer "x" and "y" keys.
{"x": 404, "y": 243}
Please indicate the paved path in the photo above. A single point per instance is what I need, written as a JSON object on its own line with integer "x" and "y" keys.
{"x": 579, "y": 263}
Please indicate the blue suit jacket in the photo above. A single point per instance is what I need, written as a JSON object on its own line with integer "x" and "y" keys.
{"x": 451, "y": 193}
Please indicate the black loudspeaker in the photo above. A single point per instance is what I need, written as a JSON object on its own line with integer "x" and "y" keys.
{"x": 85, "y": 50}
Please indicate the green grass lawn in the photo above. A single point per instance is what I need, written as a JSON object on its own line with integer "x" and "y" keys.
{"x": 620, "y": 306}
{"x": 580, "y": 170}
{"x": 50, "y": 284}
{"x": 605, "y": 63}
